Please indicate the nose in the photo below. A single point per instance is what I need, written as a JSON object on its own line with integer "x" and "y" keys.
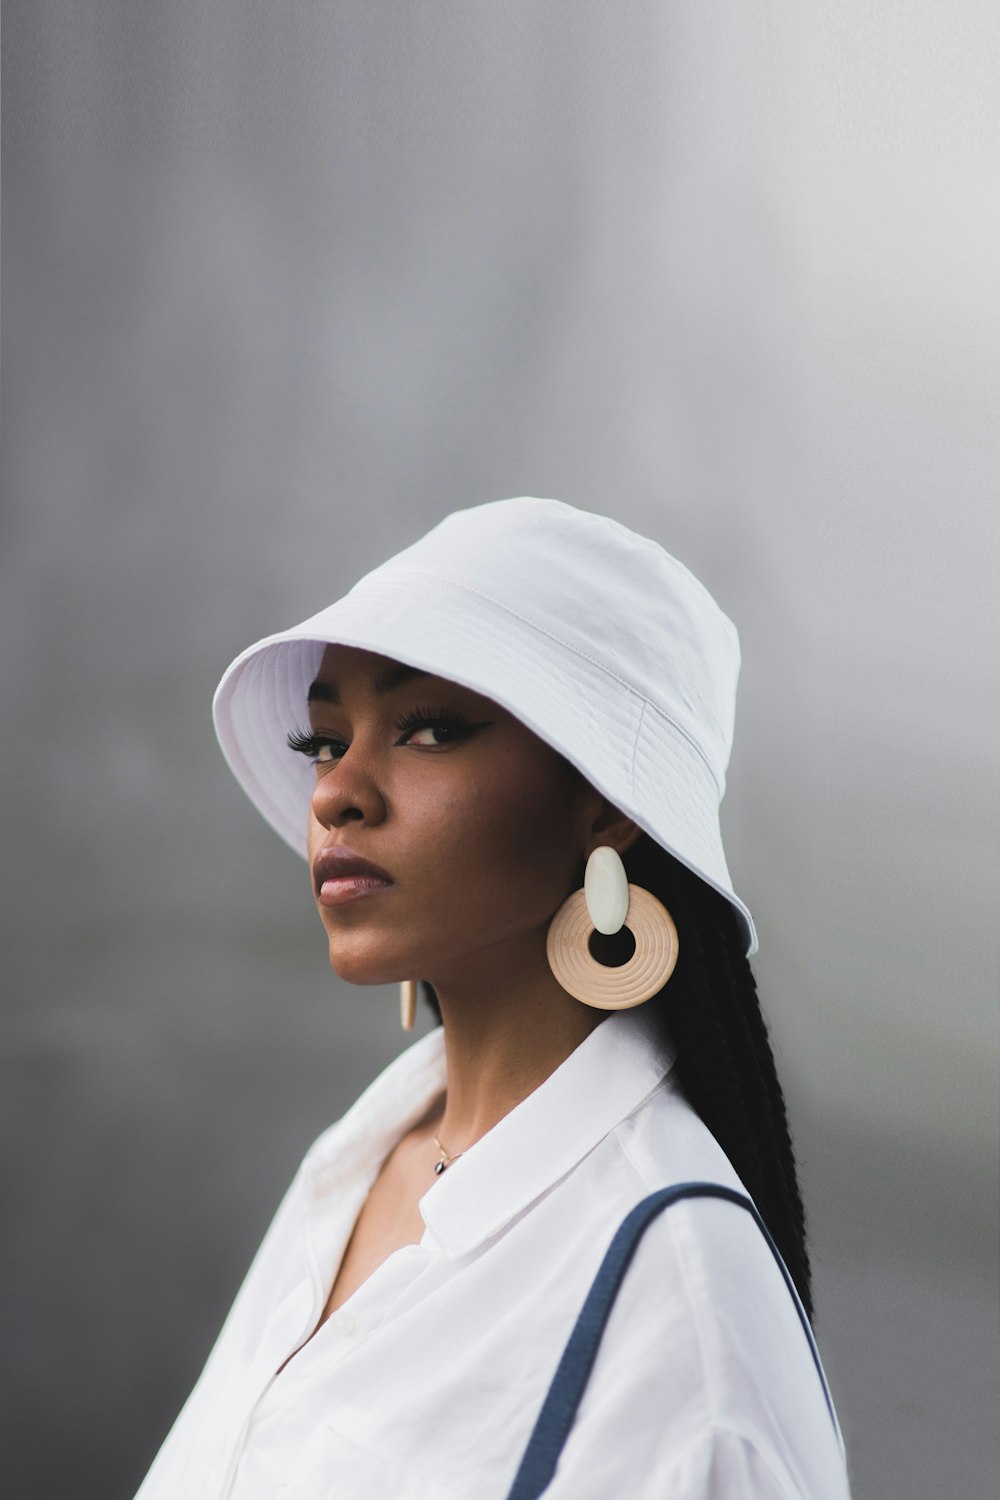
{"x": 348, "y": 792}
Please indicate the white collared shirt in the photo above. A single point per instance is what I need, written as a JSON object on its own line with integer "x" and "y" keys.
{"x": 426, "y": 1383}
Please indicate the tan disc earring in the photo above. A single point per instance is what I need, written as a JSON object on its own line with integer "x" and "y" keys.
{"x": 606, "y": 904}
{"x": 408, "y": 1003}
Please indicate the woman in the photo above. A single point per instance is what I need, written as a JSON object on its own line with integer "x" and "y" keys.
{"x": 530, "y": 700}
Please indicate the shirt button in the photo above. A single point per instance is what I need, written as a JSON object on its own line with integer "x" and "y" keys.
{"x": 343, "y": 1323}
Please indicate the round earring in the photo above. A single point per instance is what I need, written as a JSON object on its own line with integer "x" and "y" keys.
{"x": 607, "y": 903}
{"x": 408, "y": 1003}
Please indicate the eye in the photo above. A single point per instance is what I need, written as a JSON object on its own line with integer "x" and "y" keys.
{"x": 322, "y": 749}
{"x": 327, "y": 750}
{"x": 426, "y": 727}
{"x": 428, "y": 734}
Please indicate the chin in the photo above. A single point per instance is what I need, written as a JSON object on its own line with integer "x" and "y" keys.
{"x": 359, "y": 968}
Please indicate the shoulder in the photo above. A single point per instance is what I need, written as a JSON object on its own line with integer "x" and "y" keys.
{"x": 701, "y": 1260}
{"x": 719, "y": 1263}
{"x": 705, "y": 1362}
{"x": 705, "y": 1334}
{"x": 667, "y": 1141}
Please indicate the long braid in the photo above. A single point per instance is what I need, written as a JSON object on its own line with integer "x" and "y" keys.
{"x": 785, "y": 1156}
{"x": 710, "y": 1062}
{"x": 755, "y": 1082}
{"x": 724, "y": 1058}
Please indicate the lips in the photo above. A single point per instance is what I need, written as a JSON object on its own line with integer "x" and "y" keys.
{"x": 340, "y": 875}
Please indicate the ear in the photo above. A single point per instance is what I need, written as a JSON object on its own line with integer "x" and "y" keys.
{"x": 607, "y": 824}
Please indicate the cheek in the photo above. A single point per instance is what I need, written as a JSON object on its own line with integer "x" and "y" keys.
{"x": 507, "y": 843}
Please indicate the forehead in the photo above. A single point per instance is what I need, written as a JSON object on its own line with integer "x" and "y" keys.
{"x": 352, "y": 660}
{"x": 349, "y": 671}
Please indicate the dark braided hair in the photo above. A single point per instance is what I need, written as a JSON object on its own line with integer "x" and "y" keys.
{"x": 725, "y": 1065}
{"x": 724, "y": 1062}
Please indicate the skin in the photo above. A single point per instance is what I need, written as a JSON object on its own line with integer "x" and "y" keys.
{"x": 483, "y": 836}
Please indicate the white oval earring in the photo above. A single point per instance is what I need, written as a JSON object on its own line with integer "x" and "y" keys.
{"x": 597, "y": 906}
{"x": 605, "y": 887}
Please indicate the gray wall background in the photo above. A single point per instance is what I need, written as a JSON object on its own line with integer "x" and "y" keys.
{"x": 284, "y": 285}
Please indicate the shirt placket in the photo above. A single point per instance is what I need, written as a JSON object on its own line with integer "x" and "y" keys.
{"x": 325, "y": 1240}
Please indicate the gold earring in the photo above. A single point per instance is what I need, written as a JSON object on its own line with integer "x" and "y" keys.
{"x": 607, "y": 903}
{"x": 408, "y": 1003}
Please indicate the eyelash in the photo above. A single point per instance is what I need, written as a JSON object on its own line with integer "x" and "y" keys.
{"x": 307, "y": 743}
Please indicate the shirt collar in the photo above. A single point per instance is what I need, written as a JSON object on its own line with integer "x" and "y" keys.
{"x": 361, "y": 1140}
{"x": 600, "y": 1084}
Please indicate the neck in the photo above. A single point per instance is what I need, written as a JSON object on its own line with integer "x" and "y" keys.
{"x": 507, "y": 1027}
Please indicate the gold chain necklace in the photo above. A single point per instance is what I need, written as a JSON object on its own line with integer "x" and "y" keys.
{"x": 446, "y": 1160}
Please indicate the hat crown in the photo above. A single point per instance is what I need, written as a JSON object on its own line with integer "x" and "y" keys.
{"x": 612, "y": 596}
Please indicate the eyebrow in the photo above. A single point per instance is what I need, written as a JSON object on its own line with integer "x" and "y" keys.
{"x": 386, "y": 682}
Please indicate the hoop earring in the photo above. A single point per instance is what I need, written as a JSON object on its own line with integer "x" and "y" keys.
{"x": 607, "y": 903}
{"x": 408, "y": 1003}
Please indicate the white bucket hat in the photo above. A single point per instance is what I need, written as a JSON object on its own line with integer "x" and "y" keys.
{"x": 594, "y": 637}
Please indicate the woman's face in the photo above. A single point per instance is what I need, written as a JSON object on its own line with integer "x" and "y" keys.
{"x": 478, "y": 826}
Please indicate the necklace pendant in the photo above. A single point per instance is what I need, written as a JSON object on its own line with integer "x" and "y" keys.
{"x": 439, "y": 1167}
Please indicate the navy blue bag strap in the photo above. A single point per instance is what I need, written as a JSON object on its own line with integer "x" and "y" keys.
{"x": 559, "y": 1407}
